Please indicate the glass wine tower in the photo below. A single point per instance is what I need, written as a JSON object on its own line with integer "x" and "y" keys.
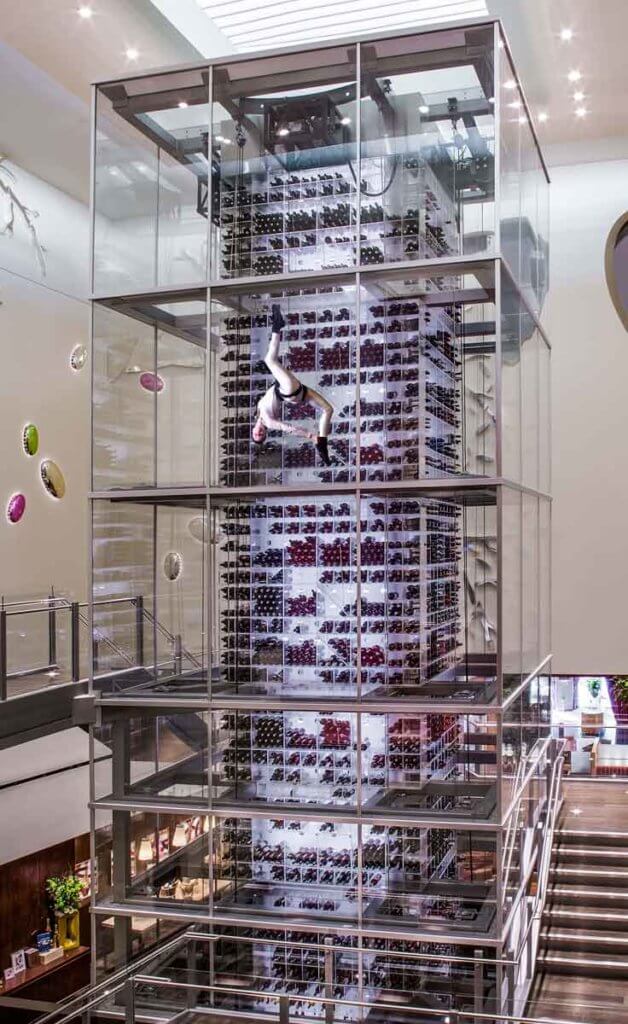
{"x": 322, "y": 762}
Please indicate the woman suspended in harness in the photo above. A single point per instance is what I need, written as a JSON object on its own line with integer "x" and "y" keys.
{"x": 288, "y": 390}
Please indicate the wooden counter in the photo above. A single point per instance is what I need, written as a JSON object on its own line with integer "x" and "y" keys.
{"x": 54, "y": 980}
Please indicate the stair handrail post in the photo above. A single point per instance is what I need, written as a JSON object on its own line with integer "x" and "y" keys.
{"x": 3, "y": 655}
{"x": 75, "y": 641}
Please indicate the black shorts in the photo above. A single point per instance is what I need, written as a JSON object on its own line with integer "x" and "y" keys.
{"x": 300, "y": 395}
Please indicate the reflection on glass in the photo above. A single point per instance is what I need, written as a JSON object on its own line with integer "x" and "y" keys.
{"x": 428, "y": 131}
{"x": 151, "y": 182}
{"x": 283, "y": 192}
{"x": 149, "y": 391}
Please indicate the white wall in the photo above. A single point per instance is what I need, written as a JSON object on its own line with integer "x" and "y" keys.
{"x": 42, "y": 317}
{"x": 589, "y": 424}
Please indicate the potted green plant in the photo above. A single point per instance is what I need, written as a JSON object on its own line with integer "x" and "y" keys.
{"x": 595, "y": 688}
{"x": 65, "y": 893}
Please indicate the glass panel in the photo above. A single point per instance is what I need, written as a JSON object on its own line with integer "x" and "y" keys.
{"x": 427, "y": 125}
{"x": 408, "y": 876}
{"x": 545, "y": 570}
{"x": 545, "y": 413}
{"x": 149, "y": 392}
{"x": 151, "y": 182}
{"x": 286, "y": 619}
{"x": 283, "y": 159}
{"x": 511, "y": 329}
{"x": 530, "y": 584}
{"x": 148, "y": 595}
{"x": 38, "y": 646}
{"x": 427, "y": 375}
{"x": 511, "y": 584}
{"x": 511, "y": 114}
{"x": 280, "y": 867}
{"x": 423, "y": 765}
{"x": 531, "y": 342}
{"x": 259, "y": 437}
{"x": 165, "y": 756}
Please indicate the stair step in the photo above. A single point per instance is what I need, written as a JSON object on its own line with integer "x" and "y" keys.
{"x": 584, "y": 896}
{"x": 591, "y": 965}
{"x": 603, "y": 877}
{"x": 589, "y": 855}
{"x": 582, "y": 837}
{"x": 562, "y": 917}
{"x": 583, "y": 940}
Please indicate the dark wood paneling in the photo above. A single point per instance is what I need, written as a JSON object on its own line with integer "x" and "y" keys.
{"x": 23, "y": 904}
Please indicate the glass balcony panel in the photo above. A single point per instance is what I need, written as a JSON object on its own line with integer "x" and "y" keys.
{"x": 149, "y": 392}
{"x": 429, "y": 765}
{"x": 284, "y": 164}
{"x": 151, "y": 180}
{"x": 510, "y": 166}
{"x": 511, "y": 589}
{"x": 530, "y": 584}
{"x": 285, "y": 571}
{"x": 427, "y": 374}
{"x": 427, "y": 146}
{"x": 149, "y": 571}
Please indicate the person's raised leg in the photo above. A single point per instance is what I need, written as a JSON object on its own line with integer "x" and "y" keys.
{"x": 285, "y": 378}
{"x": 324, "y": 423}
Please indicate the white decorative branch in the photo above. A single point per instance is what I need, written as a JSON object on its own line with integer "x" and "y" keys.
{"x": 28, "y": 216}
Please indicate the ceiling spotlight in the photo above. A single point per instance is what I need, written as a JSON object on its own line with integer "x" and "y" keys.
{"x": 283, "y": 131}
{"x": 566, "y": 34}
{"x": 578, "y": 96}
{"x": 424, "y": 109}
{"x": 85, "y": 12}
{"x": 542, "y": 117}
{"x": 581, "y": 112}
{"x": 132, "y": 53}
{"x": 345, "y": 120}
{"x": 576, "y": 810}
{"x": 510, "y": 84}
{"x": 574, "y": 76}
{"x": 182, "y": 104}
{"x": 515, "y": 104}
{"x": 491, "y": 99}
{"x": 522, "y": 120}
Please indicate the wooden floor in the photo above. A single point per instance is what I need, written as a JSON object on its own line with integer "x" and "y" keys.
{"x": 588, "y": 807}
{"x": 591, "y": 1000}
{"x": 595, "y": 806}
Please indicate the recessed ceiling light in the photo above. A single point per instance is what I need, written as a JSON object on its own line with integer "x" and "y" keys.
{"x": 581, "y": 112}
{"x": 491, "y": 99}
{"x": 578, "y": 96}
{"x": 515, "y": 104}
{"x": 424, "y": 109}
{"x": 543, "y": 117}
{"x": 345, "y": 120}
{"x": 576, "y": 810}
{"x": 574, "y": 75}
{"x": 85, "y": 12}
{"x": 510, "y": 84}
{"x": 182, "y": 104}
{"x": 283, "y": 131}
{"x": 522, "y": 120}
{"x": 566, "y": 34}
{"x": 132, "y": 53}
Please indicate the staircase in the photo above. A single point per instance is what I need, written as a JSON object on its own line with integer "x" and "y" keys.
{"x": 585, "y": 924}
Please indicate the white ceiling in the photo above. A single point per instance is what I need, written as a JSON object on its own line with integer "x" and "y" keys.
{"x": 256, "y": 24}
{"x": 49, "y": 56}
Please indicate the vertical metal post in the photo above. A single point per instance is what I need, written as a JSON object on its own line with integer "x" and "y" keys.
{"x": 129, "y": 1002}
{"x": 178, "y": 655}
{"x": 95, "y": 665}
{"x": 3, "y": 654}
{"x": 139, "y": 630}
{"x": 75, "y": 641}
{"x": 52, "y": 630}
{"x": 329, "y": 980}
{"x": 284, "y": 1010}
{"x": 478, "y": 981}
{"x": 120, "y": 763}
